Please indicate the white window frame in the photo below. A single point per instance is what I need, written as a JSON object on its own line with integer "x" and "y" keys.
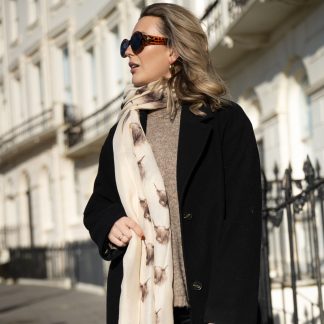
{"x": 114, "y": 61}
{"x": 1, "y": 40}
{"x": 14, "y": 21}
{"x": 35, "y": 75}
{"x": 16, "y": 93}
{"x": 33, "y": 13}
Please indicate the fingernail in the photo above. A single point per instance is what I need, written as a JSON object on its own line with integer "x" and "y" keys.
{"x": 143, "y": 237}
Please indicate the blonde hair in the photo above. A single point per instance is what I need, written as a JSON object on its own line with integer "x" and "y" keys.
{"x": 193, "y": 79}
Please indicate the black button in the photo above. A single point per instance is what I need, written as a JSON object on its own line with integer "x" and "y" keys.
{"x": 187, "y": 216}
{"x": 196, "y": 285}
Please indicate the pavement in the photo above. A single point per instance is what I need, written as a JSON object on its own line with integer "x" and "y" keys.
{"x": 31, "y": 304}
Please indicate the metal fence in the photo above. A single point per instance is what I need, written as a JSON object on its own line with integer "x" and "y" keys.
{"x": 92, "y": 125}
{"x": 292, "y": 252}
{"x": 34, "y": 126}
{"x": 292, "y": 264}
{"x": 79, "y": 262}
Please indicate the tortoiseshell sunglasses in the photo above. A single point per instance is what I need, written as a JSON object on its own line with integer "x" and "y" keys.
{"x": 139, "y": 40}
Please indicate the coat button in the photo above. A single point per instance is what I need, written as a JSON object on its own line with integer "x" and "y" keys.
{"x": 187, "y": 216}
{"x": 196, "y": 285}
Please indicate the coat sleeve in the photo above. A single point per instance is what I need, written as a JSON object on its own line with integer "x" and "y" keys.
{"x": 232, "y": 297}
{"x": 104, "y": 207}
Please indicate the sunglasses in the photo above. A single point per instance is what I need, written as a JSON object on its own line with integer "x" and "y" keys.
{"x": 139, "y": 40}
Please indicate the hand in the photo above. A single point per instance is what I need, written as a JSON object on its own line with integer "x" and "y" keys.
{"x": 120, "y": 234}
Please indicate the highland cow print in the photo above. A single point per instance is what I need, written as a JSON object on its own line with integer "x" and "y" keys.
{"x": 144, "y": 290}
{"x": 151, "y": 209}
{"x": 137, "y": 133}
{"x": 149, "y": 253}
{"x": 141, "y": 90}
{"x": 144, "y": 205}
{"x": 157, "y": 316}
{"x": 162, "y": 234}
{"x": 159, "y": 275}
{"x": 163, "y": 198}
{"x": 141, "y": 168}
{"x": 125, "y": 119}
{"x": 153, "y": 96}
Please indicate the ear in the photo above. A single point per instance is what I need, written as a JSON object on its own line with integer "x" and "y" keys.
{"x": 173, "y": 55}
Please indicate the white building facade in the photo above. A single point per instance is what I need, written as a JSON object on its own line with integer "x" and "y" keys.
{"x": 61, "y": 79}
{"x": 59, "y": 64}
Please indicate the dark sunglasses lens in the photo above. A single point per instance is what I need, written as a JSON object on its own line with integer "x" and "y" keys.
{"x": 123, "y": 47}
{"x": 136, "y": 42}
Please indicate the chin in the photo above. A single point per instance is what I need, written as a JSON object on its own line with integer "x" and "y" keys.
{"x": 138, "y": 83}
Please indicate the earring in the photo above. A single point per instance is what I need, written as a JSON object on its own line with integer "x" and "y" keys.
{"x": 172, "y": 69}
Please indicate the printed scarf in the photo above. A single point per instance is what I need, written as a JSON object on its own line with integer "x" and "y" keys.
{"x": 146, "y": 289}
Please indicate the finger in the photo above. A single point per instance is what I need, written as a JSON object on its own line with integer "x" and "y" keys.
{"x": 113, "y": 239}
{"x": 116, "y": 241}
{"x": 119, "y": 233}
{"x": 124, "y": 229}
{"x": 115, "y": 236}
{"x": 116, "y": 232}
{"x": 124, "y": 239}
{"x": 137, "y": 229}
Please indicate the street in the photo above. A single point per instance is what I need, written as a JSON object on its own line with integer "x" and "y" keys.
{"x": 26, "y": 304}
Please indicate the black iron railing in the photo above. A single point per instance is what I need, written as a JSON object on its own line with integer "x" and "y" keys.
{"x": 292, "y": 250}
{"x": 219, "y": 14}
{"x": 293, "y": 242}
{"x": 92, "y": 125}
{"x": 31, "y": 127}
{"x": 78, "y": 261}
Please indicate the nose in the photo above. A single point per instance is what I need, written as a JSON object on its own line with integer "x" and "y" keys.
{"x": 129, "y": 51}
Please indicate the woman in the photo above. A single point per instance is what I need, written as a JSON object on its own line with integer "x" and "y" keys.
{"x": 176, "y": 203}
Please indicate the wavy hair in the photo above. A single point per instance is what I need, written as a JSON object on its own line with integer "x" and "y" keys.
{"x": 193, "y": 79}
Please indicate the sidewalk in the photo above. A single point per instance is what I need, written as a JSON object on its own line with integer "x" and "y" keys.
{"x": 25, "y": 304}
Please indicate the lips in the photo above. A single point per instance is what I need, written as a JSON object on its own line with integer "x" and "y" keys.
{"x": 133, "y": 66}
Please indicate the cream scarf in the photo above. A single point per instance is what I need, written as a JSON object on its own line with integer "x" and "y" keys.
{"x": 146, "y": 289}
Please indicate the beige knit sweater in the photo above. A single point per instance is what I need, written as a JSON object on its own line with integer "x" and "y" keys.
{"x": 163, "y": 134}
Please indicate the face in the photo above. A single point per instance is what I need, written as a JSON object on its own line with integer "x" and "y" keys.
{"x": 154, "y": 60}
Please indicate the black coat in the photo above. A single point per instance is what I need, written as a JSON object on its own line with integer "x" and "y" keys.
{"x": 219, "y": 188}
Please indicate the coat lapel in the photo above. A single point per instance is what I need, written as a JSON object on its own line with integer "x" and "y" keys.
{"x": 193, "y": 137}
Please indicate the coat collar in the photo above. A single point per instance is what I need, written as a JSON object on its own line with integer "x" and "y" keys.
{"x": 193, "y": 136}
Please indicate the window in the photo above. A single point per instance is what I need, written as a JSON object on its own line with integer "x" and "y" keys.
{"x": 66, "y": 75}
{"x": 69, "y": 113}
{"x": 3, "y": 117}
{"x": 33, "y": 11}
{"x": 1, "y": 40}
{"x": 115, "y": 62}
{"x": 299, "y": 101}
{"x": 93, "y": 74}
{"x": 45, "y": 199}
{"x": 90, "y": 73}
{"x": 13, "y": 16}
{"x": 11, "y": 230}
{"x": 26, "y": 210}
{"x": 299, "y": 126}
{"x": 40, "y": 83}
{"x": 36, "y": 89}
{"x": 18, "y": 113}
{"x": 305, "y": 107}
